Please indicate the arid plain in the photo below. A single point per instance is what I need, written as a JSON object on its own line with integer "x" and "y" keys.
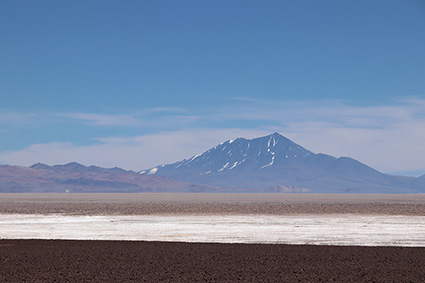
{"x": 181, "y": 237}
{"x": 213, "y": 203}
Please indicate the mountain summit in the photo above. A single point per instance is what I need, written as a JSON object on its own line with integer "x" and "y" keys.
{"x": 274, "y": 162}
{"x": 257, "y": 154}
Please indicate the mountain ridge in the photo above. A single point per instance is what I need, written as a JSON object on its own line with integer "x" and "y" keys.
{"x": 76, "y": 178}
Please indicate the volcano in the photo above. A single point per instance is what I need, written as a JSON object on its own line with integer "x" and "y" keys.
{"x": 276, "y": 164}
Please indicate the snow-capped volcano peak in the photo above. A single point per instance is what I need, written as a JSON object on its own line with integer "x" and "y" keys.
{"x": 259, "y": 153}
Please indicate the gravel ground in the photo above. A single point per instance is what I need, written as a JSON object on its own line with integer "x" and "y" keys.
{"x": 278, "y": 204}
{"x": 117, "y": 261}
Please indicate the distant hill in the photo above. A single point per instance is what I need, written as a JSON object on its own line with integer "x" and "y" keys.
{"x": 74, "y": 177}
{"x": 275, "y": 163}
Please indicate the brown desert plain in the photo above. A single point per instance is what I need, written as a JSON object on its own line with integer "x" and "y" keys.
{"x": 54, "y": 260}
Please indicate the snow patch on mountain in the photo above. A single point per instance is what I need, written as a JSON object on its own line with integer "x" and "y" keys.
{"x": 268, "y": 165}
{"x": 224, "y": 167}
{"x": 234, "y": 165}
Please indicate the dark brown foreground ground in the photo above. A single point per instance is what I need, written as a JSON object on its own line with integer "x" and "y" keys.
{"x": 115, "y": 261}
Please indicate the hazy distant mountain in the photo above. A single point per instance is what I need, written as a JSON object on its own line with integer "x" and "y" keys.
{"x": 74, "y": 177}
{"x": 275, "y": 162}
{"x": 267, "y": 164}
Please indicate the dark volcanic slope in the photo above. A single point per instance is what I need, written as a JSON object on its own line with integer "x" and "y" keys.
{"x": 107, "y": 261}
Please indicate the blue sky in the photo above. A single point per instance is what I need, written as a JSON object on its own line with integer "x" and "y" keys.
{"x": 135, "y": 84}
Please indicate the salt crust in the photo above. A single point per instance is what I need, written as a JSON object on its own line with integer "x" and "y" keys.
{"x": 325, "y": 229}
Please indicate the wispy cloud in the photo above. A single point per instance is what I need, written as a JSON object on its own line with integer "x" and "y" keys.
{"x": 325, "y": 111}
{"x": 8, "y": 116}
{"x": 163, "y": 110}
{"x": 102, "y": 119}
{"x": 243, "y": 99}
{"x": 151, "y": 117}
